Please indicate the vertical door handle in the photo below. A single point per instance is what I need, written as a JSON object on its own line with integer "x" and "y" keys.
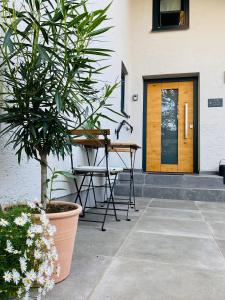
{"x": 186, "y": 121}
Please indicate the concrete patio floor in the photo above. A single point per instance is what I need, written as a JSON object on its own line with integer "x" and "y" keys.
{"x": 170, "y": 250}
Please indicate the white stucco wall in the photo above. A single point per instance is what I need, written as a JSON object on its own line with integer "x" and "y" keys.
{"x": 23, "y": 181}
{"x": 198, "y": 49}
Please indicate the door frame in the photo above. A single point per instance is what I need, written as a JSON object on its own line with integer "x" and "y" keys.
{"x": 173, "y": 78}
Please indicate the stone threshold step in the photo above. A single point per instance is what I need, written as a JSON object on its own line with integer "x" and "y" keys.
{"x": 163, "y": 192}
{"x": 191, "y": 181}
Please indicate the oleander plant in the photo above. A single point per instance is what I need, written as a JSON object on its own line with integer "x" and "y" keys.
{"x": 49, "y": 68}
{"x": 28, "y": 256}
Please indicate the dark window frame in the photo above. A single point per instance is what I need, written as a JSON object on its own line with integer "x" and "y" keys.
{"x": 124, "y": 74}
{"x": 156, "y": 17}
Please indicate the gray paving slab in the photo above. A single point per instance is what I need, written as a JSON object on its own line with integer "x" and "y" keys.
{"x": 213, "y": 216}
{"x": 218, "y": 230}
{"x": 85, "y": 274}
{"x": 167, "y": 252}
{"x": 211, "y": 206}
{"x": 93, "y": 241}
{"x": 177, "y": 204}
{"x": 198, "y": 252}
{"x": 221, "y": 244}
{"x": 143, "y": 281}
{"x": 111, "y": 223}
{"x": 174, "y": 227}
{"x": 173, "y": 213}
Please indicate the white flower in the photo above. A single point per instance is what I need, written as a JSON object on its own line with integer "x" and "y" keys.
{"x": 23, "y": 264}
{"x": 31, "y": 204}
{"x": 25, "y": 217}
{"x": 49, "y": 271}
{"x": 7, "y": 276}
{"x": 27, "y": 284}
{"x": 43, "y": 218}
{"x": 38, "y": 229}
{"x": 30, "y": 234}
{"x": 38, "y": 243}
{"x": 31, "y": 275}
{"x": 35, "y": 229}
{"x": 49, "y": 284}
{"x": 43, "y": 267}
{"x": 20, "y": 221}
{"x": 37, "y": 254}
{"x": 40, "y": 279}
{"x": 3, "y": 223}
{"x": 9, "y": 247}
{"x": 53, "y": 255}
{"x": 29, "y": 242}
{"x": 20, "y": 292}
{"x": 15, "y": 276}
{"x": 51, "y": 230}
{"x": 46, "y": 242}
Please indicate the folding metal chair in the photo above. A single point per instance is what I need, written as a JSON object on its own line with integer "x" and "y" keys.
{"x": 95, "y": 170}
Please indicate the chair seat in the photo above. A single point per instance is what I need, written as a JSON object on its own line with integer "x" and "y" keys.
{"x": 96, "y": 169}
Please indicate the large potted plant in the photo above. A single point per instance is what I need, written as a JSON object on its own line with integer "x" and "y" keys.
{"x": 49, "y": 64}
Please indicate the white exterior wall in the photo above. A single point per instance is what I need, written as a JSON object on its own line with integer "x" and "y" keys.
{"x": 23, "y": 181}
{"x": 201, "y": 49}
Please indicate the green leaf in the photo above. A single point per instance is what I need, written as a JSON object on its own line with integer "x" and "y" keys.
{"x": 66, "y": 174}
{"x": 44, "y": 55}
{"x": 59, "y": 101}
{"x": 7, "y": 43}
{"x": 100, "y": 31}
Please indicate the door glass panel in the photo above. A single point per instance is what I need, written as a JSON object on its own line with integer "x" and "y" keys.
{"x": 169, "y": 127}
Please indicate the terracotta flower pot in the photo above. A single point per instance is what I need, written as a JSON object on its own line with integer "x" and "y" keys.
{"x": 66, "y": 228}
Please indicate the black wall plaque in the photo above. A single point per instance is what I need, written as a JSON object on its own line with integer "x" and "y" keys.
{"x": 216, "y": 102}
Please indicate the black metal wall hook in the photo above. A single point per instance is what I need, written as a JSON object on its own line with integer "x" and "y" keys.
{"x": 123, "y": 123}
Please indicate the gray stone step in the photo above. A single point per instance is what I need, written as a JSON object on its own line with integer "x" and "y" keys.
{"x": 191, "y": 181}
{"x": 183, "y": 187}
{"x": 166, "y": 192}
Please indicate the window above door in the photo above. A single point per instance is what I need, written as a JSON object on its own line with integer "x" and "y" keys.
{"x": 170, "y": 15}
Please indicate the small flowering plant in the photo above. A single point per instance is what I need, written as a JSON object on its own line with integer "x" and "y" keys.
{"x": 28, "y": 256}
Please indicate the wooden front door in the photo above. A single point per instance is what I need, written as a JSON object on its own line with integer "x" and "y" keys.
{"x": 170, "y": 127}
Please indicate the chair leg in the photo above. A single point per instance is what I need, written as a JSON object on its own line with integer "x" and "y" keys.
{"x": 111, "y": 199}
{"x": 112, "y": 196}
{"x": 87, "y": 195}
{"x": 93, "y": 189}
{"x": 78, "y": 196}
{"x": 133, "y": 189}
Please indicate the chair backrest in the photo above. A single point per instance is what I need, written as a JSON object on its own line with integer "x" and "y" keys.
{"x": 94, "y": 132}
{"x": 91, "y": 139}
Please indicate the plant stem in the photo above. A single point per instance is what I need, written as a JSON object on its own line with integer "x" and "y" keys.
{"x": 44, "y": 168}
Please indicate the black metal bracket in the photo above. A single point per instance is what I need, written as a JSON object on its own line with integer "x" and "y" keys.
{"x": 123, "y": 123}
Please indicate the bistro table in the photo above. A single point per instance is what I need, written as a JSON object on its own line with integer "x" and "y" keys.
{"x": 119, "y": 149}
{"x": 130, "y": 148}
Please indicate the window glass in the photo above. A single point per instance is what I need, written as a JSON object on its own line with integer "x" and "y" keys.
{"x": 170, "y": 14}
{"x": 170, "y": 5}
